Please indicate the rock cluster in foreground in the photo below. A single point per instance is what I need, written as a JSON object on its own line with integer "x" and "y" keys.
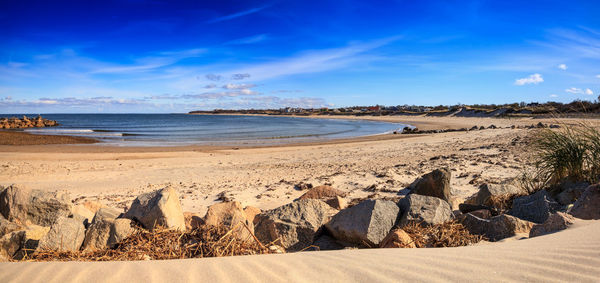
{"x": 26, "y": 122}
{"x": 34, "y": 221}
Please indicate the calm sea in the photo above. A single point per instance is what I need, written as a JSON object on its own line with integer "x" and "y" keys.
{"x": 183, "y": 129}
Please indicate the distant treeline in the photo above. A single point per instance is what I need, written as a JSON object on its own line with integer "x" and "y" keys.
{"x": 575, "y": 108}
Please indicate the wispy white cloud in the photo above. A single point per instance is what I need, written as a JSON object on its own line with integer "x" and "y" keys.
{"x": 598, "y": 76}
{"x": 238, "y": 86}
{"x": 237, "y": 15}
{"x": 249, "y": 40}
{"x": 553, "y": 95}
{"x": 574, "y": 90}
{"x": 562, "y": 67}
{"x": 532, "y": 79}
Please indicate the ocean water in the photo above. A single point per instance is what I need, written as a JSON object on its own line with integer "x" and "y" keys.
{"x": 184, "y": 129}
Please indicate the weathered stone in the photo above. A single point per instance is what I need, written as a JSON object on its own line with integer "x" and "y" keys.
{"x": 425, "y": 210}
{"x": 588, "y": 205}
{"x": 96, "y": 237}
{"x": 326, "y": 243}
{"x": 434, "y": 184}
{"x": 321, "y": 192}
{"x": 30, "y": 240}
{"x": 482, "y": 213}
{"x": 487, "y": 191}
{"x": 365, "y": 223}
{"x": 26, "y": 206}
{"x": 66, "y": 234}
{"x": 294, "y": 224}
{"x": 535, "y": 208}
{"x": 231, "y": 215}
{"x": 160, "y": 208}
{"x": 7, "y": 226}
{"x": 337, "y": 203}
{"x": 93, "y": 206}
{"x": 497, "y": 227}
{"x": 83, "y": 212}
{"x": 397, "y": 239}
{"x": 105, "y": 234}
{"x": 105, "y": 213}
{"x": 192, "y": 220}
{"x": 556, "y": 222}
{"x": 251, "y": 213}
{"x": 570, "y": 192}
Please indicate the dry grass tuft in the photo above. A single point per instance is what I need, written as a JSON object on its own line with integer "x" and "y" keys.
{"x": 206, "y": 241}
{"x": 449, "y": 234}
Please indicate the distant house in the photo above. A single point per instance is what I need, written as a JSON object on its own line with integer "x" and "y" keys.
{"x": 374, "y": 108}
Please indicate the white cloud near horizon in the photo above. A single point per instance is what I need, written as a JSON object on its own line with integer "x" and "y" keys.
{"x": 574, "y": 90}
{"x": 532, "y": 79}
{"x": 588, "y": 91}
{"x": 563, "y": 67}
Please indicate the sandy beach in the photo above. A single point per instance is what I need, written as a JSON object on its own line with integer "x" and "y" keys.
{"x": 373, "y": 167}
{"x": 265, "y": 177}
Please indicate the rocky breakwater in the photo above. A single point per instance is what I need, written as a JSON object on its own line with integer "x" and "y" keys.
{"x": 26, "y": 122}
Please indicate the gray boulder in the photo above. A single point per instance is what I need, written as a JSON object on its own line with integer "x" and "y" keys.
{"x": 7, "y": 226}
{"x": 26, "y": 206}
{"x": 160, "y": 208}
{"x": 497, "y": 227}
{"x": 556, "y": 222}
{"x": 487, "y": 191}
{"x": 588, "y": 205}
{"x": 107, "y": 233}
{"x": 434, "y": 184}
{"x": 294, "y": 224}
{"x": 425, "y": 210}
{"x": 571, "y": 192}
{"x": 365, "y": 223}
{"x": 105, "y": 213}
{"x": 535, "y": 208}
{"x": 17, "y": 244}
{"x": 66, "y": 234}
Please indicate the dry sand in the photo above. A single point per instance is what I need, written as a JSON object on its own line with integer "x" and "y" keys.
{"x": 572, "y": 255}
{"x": 265, "y": 178}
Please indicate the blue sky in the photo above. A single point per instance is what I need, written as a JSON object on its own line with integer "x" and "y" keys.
{"x": 161, "y": 56}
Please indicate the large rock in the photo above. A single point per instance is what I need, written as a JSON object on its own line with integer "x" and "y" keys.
{"x": 425, "y": 210}
{"x": 556, "y": 222}
{"x": 397, "y": 239}
{"x": 83, "y": 212}
{"x": 434, "y": 184}
{"x": 571, "y": 192}
{"x": 105, "y": 213}
{"x": 497, "y": 227}
{"x": 160, "y": 208}
{"x": 294, "y": 224}
{"x": 365, "y": 223}
{"x": 66, "y": 234}
{"x": 17, "y": 244}
{"x": 487, "y": 191}
{"x": 231, "y": 215}
{"x": 26, "y": 206}
{"x": 588, "y": 205}
{"x": 105, "y": 234}
{"x": 7, "y": 226}
{"x": 321, "y": 192}
{"x": 535, "y": 208}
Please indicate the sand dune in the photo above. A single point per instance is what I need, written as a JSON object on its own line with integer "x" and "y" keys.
{"x": 572, "y": 255}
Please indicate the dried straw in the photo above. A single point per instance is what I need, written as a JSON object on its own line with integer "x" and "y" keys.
{"x": 449, "y": 234}
{"x": 206, "y": 241}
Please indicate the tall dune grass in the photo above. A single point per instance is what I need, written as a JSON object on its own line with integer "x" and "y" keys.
{"x": 572, "y": 153}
